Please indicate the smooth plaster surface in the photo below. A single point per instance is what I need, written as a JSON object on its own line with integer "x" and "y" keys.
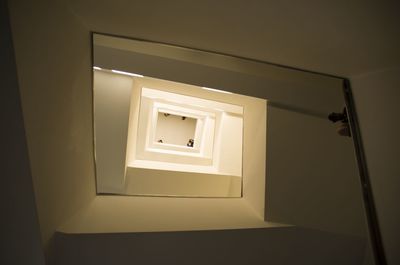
{"x": 143, "y": 181}
{"x": 311, "y": 93}
{"x": 278, "y": 246}
{"x": 349, "y": 38}
{"x": 312, "y": 178}
{"x": 20, "y": 241}
{"x": 377, "y": 103}
{"x": 338, "y": 37}
{"x": 150, "y": 214}
{"x": 52, "y": 50}
{"x": 174, "y": 130}
{"x": 112, "y": 99}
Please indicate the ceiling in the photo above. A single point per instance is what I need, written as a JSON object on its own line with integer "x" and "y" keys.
{"x": 342, "y": 37}
{"x": 53, "y": 60}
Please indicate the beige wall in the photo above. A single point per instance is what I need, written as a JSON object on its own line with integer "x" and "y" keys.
{"x": 377, "y": 97}
{"x": 112, "y": 98}
{"x": 53, "y": 59}
{"x": 312, "y": 93}
{"x": 117, "y": 214}
{"x": 142, "y": 181}
{"x": 312, "y": 177}
{"x": 280, "y": 246}
{"x": 20, "y": 241}
{"x": 54, "y": 73}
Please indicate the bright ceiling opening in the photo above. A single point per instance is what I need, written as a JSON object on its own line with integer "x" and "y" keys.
{"x": 152, "y": 139}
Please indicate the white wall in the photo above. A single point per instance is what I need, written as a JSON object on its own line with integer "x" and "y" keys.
{"x": 174, "y": 130}
{"x": 377, "y": 97}
{"x": 230, "y": 142}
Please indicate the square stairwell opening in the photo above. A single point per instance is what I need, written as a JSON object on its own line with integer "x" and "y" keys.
{"x": 158, "y": 137}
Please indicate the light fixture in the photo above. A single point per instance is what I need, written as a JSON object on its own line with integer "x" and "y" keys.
{"x": 96, "y": 68}
{"x": 126, "y": 73}
{"x": 216, "y": 90}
